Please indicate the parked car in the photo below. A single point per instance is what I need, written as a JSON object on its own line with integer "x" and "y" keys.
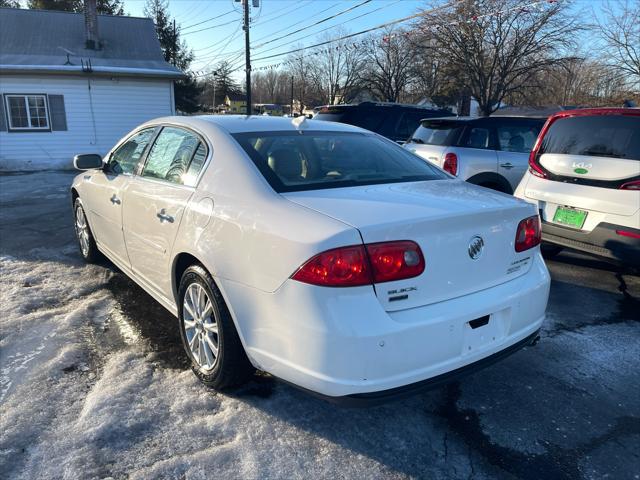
{"x": 321, "y": 253}
{"x": 392, "y": 120}
{"x": 492, "y": 152}
{"x": 584, "y": 178}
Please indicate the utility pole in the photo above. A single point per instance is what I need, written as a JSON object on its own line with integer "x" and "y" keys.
{"x": 247, "y": 54}
{"x": 175, "y": 43}
{"x": 291, "y": 112}
{"x": 213, "y": 106}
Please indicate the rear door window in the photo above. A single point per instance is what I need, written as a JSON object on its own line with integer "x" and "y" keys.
{"x": 172, "y": 157}
{"x": 615, "y": 136}
{"x": 477, "y": 137}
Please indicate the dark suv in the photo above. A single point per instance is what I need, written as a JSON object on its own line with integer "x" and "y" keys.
{"x": 392, "y": 120}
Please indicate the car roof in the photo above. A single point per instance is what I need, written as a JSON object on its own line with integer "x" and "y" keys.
{"x": 369, "y": 104}
{"x": 470, "y": 119}
{"x": 596, "y": 111}
{"x": 256, "y": 123}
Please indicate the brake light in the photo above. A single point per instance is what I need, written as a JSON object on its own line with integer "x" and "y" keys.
{"x": 627, "y": 233}
{"x": 534, "y": 166}
{"x": 450, "y": 163}
{"x": 395, "y": 260}
{"x": 528, "y": 234}
{"x": 635, "y": 185}
{"x": 363, "y": 265}
{"x": 340, "y": 267}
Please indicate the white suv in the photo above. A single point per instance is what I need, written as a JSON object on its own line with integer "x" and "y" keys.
{"x": 584, "y": 176}
{"x": 492, "y": 152}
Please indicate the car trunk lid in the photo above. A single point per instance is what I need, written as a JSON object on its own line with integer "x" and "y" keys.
{"x": 444, "y": 217}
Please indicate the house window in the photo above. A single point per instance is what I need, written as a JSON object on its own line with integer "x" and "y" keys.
{"x": 27, "y": 112}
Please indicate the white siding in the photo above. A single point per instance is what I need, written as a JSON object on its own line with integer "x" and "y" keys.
{"x": 118, "y": 105}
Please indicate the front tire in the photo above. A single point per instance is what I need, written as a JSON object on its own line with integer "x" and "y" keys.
{"x": 86, "y": 242}
{"x": 208, "y": 333}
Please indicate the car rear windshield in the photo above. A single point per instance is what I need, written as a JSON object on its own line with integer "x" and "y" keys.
{"x": 616, "y": 136}
{"x": 436, "y": 132}
{"x": 307, "y": 160}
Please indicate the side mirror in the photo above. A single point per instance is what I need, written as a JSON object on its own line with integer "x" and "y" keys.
{"x": 87, "y": 161}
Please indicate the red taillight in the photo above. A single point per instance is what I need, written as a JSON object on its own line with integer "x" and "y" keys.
{"x": 627, "y": 233}
{"x": 528, "y": 234}
{"x": 534, "y": 166}
{"x": 363, "y": 265}
{"x": 395, "y": 260}
{"x": 635, "y": 185}
{"x": 340, "y": 267}
{"x": 450, "y": 163}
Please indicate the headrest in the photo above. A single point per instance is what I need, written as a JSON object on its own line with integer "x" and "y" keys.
{"x": 516, "y": 143}
{"x": 286, "y": 164}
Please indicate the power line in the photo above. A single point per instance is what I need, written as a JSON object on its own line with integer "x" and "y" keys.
{"x": 208, "y": 20}
{"x": 276, "y": 15}
{"x": 332, "y": 26}
{"x": 362, "y": 32}
{"x": 326, "y": 19}
{"x": 287, "y": 28}
{"x": 211, "y": 27}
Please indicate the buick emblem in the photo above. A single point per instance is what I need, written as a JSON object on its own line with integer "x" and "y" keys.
{"x": 475, "y": 247}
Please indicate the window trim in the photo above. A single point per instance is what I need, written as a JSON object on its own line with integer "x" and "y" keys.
{"x": 143, "y": 160}
{"x": 30, "y": 128}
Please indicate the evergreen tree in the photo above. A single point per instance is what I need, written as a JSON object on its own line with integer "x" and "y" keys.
{"x": 105, "y": 7}
{"x": 110, "y": 7}
{"x": 63, "y": 5}
{"x": 9, "y": 4}
{"x": 176, "y": 52}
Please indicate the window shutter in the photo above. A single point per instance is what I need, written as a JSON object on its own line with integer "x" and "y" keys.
{"x": 3, "y": 118}
{"x": 57, "y": 113}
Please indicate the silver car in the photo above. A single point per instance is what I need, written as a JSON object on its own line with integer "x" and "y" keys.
{"x": 492, "y": 152}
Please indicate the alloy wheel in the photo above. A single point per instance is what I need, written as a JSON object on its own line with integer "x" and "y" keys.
{"x": 200, "y": 325}
{"x": 82, "y": 231}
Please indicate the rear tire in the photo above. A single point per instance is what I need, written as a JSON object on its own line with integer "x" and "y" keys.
{"x": 549, "y": 250}
{"x": 86, "y": 242}
{"x": 208, "y": 333}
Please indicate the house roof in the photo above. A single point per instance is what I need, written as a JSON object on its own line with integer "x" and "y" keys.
{"x": 236, "y": 97}
{"x": 54, "y": 42}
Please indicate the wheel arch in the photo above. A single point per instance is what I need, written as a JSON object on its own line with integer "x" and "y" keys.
{"x": 184, "y": 260}
{"x": 492, "y": 178}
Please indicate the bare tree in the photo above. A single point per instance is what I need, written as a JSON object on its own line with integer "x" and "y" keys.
{"x": 620, "y": 33}
{"x": 390, "y": 65}
{"x": 337, "y": 68}
{"x": 500, "y": 46}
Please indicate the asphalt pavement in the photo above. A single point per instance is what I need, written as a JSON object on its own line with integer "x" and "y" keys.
{"x": 567, "y": 408}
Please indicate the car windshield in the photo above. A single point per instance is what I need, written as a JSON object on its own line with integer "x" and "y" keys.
{"x": 616, "y": 136}
{"x": 307, "y": 160}
{"x": 436, "y": 132}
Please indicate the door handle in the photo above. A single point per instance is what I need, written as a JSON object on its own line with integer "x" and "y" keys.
{"x": 164, "y": 217}
{"x": 115, "y": 200}
{"x": 507, "y": 165}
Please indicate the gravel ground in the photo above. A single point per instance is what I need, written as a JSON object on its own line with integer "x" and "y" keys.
{"x": 93, "y": 383}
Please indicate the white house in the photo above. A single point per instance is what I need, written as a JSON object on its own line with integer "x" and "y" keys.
{"x": 73, "y": 83}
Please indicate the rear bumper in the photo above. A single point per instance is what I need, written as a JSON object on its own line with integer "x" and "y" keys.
{"x": 602, "y": 240}
{"x": 342, "y": 342}
{"x": 375, "y": 398}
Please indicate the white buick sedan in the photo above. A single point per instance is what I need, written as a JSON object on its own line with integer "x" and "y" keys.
{"x": 321, "y": 253}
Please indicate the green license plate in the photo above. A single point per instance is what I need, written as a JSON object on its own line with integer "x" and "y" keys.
{"x": 570, "y": 217}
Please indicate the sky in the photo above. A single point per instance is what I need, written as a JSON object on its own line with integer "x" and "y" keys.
{"x": 214, "y": 39}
